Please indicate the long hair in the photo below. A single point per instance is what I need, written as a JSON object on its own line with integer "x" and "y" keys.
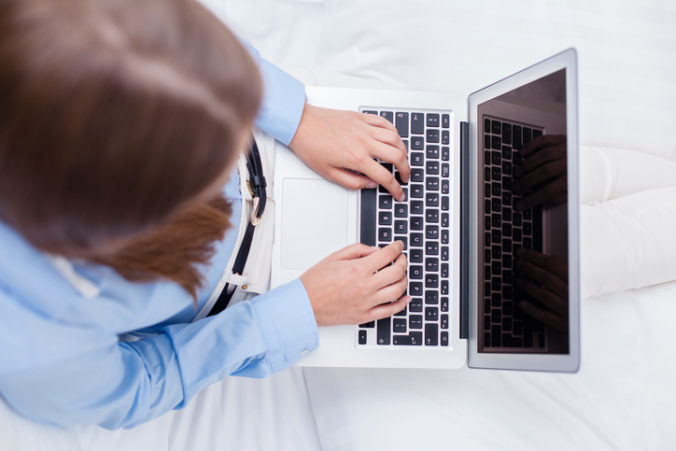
{"x": 119, "y": 122}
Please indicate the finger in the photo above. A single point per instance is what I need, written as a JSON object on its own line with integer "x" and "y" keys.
{"x": 544, "y": 195}
{"x": 352, "y": 180}
{"x": 389, "y": 293}
{"x": 377, "y": 121}
{"x": 545, "y": 172}
{"x": 542, "y": 141}
{"x": 551, "y": 263}
{"x": 385, "y": 310}
{"x": 546, "y": 278}
{"x": 390, "y": 137}
{"x": 356, "y": 250}
{"x": 383, "y": 257}
{"x": 543, "y": 316}
{"x": 376, "y": 172}
{"x": 391, "y": 274}
{"x": 538, "y": 159}
{"x": 395, "y": 156}
{"x": 543, "y": 296}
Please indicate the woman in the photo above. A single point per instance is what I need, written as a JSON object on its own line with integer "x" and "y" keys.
{"x": 120, "y": 126}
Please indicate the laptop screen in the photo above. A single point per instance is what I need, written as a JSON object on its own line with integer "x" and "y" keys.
{"x": 523, "y": 226}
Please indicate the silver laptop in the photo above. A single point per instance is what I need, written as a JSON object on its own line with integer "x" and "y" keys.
{"x": 490, "y": 225}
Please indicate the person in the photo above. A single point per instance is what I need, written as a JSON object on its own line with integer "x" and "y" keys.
{"x": 121, "y": 125}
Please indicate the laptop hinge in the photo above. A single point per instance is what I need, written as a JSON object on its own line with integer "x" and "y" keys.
{"x": 464, "y": 229}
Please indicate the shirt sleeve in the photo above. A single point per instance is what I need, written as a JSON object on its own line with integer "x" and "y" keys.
{"x": 283, "y": 100}
{"x": 126, "y": 383}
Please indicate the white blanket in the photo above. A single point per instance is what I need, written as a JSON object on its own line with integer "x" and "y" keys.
{"x": 622, "y": 398}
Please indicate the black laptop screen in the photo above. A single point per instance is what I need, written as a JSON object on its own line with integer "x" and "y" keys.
{"x": 523, "y": 227}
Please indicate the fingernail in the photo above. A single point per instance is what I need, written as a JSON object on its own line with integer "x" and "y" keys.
{"x": 400, "y": 244}
{"x": 371, "y": 185}
{"x": 402, "y": 198}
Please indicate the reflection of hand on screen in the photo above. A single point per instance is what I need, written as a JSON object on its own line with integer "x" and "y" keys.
{"x": 542, "y": 172}
{"x": 548, "y": 287}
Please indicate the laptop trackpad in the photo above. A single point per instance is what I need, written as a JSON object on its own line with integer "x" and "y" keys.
{"x": 314, "y": 221}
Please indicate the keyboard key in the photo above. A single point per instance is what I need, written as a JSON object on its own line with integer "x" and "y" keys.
{"x": 417, "y": 191}
{"x": 431, "y": 314}
{"x": 415, "y": 289}
{"x": 495, "y": 127}
{"x": 417, "y": 207}
{"x": 401, "y": 210}
{"x": 416, "y": 256}
{"x": 407, "y": 340}
{"x": 444, "y": 253}
{"x": 432, "y": 120}
{"x": 444, "y": 271}
{"x": 415, "y": 322}
{"x": 385, "y": 202}
{"x": 445, "y": 186}
{"x": 362, "y": 337}
{"x": 444, "y": 338}
{"x": 496, "y": 158}
{"x": 516, "y": 137}
{"x": 445, "y": 236}
{"x": 417, "y": 175}
{"x": 369, "y": 325}
{"x": 432, "y": 184}
{"x": 416, "y": 239}
{"x": 431, "y": 334}
{"x": 415, "y": 272}
{"x": 445, "y": 120}
{"x": 432, "y": 152}
{"x": 444, "y": 321}
{"x": 432, "y": 232}
{"x": 432, "y": 215}
{"x": 385, "y": 218}
{"x": 416, "y": 305}
{"x": 432, "y": 248}
{"x": 416, "y": 223}
{"x": 417, "y": 143}
{"x": 401, "y": 122}
{"x": 417, "y": 123}
{"x": 370, "y": 112}
{"x": 487, "y": 125}
{"x": 445, "y": 154}
{"x": 384, "y": 234}
{"x": 417, "y": 159}
{"x": 431, "y": 264}
{"x": 445, "y": 203}
{"x": 401, "y": 313}
{"x": 399, "y": 325}
{"x": 404, "y": 240}
{"x": 431, "y": 281}
{"x": 387, "y": 115}
{"x": 496, "y": 142}
{"x": 444, "y": 303}
{"x": 445, "y": 137}
{"x": 431, "y": 297}
{"x": 527, "y": 135}
{"x": 507, "y": 133}
{"x": 445, "y": 218}
{"x": 487, "y": 143}
{"x": 387, "y": 166}
{"x": 444, "y": 287}
{"x": 432, "y": 135}
{"x": 445, "y": 170}
{"x": 432, "y": 200}
{"x": 506, "y": 153}
{"x": 383, "y": 331}
{"x": 432, "y": 168}
{"x": 400, "y": 227}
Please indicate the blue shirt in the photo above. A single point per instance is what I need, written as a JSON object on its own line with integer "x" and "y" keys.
{"x": 62, "y": 361}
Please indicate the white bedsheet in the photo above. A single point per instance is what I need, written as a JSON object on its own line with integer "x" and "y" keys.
{"x": 622, "y": 398}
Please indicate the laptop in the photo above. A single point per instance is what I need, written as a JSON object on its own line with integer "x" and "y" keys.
{"x": 490, "y": 226}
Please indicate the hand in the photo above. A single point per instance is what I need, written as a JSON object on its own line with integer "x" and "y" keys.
{"x": 543, "y": 171}
{"x": 342, "y": 145}
{"x": 357, "y": 284}
{"x": 551, "y": 273}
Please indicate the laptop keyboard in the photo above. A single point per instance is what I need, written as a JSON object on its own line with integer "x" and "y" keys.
{"x": 422, "y": 222}
{"x": 506, "y": 229}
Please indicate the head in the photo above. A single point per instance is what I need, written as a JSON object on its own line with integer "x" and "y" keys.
{"x": 119, "y": 123}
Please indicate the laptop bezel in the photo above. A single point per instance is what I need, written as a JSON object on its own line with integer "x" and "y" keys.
{"x": 535, "y": 362}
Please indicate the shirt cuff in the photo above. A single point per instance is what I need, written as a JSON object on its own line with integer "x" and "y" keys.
{"x": 283, "y": 103}
{"x": 287, "y": 323}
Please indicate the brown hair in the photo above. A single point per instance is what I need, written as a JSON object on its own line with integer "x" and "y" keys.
{"x": 118, "y": 121}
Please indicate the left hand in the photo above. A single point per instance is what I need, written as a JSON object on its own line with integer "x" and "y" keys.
{"x": 342, "y": 145}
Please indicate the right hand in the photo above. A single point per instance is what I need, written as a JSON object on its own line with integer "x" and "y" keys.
{"x": 357, "y": 284}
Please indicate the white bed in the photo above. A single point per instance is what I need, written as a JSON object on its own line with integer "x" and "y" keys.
{"x": 622, "y": 398}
